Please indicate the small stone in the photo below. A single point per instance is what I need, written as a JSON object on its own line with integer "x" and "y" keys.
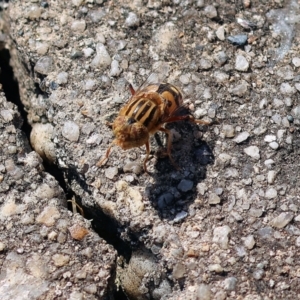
{"x": 249, "y": 242}
{"x": 230, "y": 283}
{"x": 203, "y": 292}
{"x": 253, "y": 152}
{"x": 243, "y": 136}
{"x": 241, "y": 63}
{"x": 221, "y": 58}
{"x": 2, "y": 246}
{"x": 180, "y": 216}
{"x": 277, "y": 119}
{"x": 205, "y": 64}
{"x": 165, "y": 200}
{"x": 110, "y": 173}
{"x": 270, "y": 138}
{"x": 6, "y": 115}
{"x": 102, "y": 58}
{"x": 132, "y": 167}
{"x": 60, "y": 259}
{"x": 78, "y": 232}
{"x": 71, "y": 131}
{"x": 271, "y": 193}
{"x": 87, "y": 52}
{"x": 282, "y": 220}
{"x": 44, "y": 65}
{"x": 287, "y": 89}
{"x": 296, "y": 61}
{"x": 48, "y": 216}
{"x": 210, "y": 11}
{"x": 274, "y": 145}
{"x": 185, "y": 185}
{"x": 220, "y": 33}
{"x": 115, "y": 70}
{"x": 271, "y": 176}
{"x": 77, "y": 2}
{"x": 132, "y": 20}
{"x": 221, "y": 76}
{"x": 238, "y": 40}
{"x": 269, "y": 162}
{"x": 97, "y": 15}
{"x": 298, "y": 244}
{"x": 91, "y": 288}
{"x": 220, "y": 236}
{"x": 285, "y": 72}
{"x": 179, "y": 271}
{"x": 228, "y": 131}
{"x": 62, "y": 78}
{"x": 90, "y": 85}
{"x": 215, "y": 268}
{"x": 78, "y": 26}
{"x": 202, "y": 188}
{"x": 34, "y": 12}
{"x": 214, "y": 199}
{"x": 240, "y": 90}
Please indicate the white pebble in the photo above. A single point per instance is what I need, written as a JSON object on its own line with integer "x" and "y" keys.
{"x": 102, "y": 58}
{"x": 241, "y": 63}
{"x": 90, "y": 85}
{"x": 71, "y": 131}
{"x": 34, "y": 12}
{"x": 243, "y": 136}
{"x": 282, "y": 220}
{"x": 220, "y": 236}
{"x": 253, "y": 152}
{"x": 88, "y": 52}
{"x": 115, "y": 70}
{"x": 78, "y": 26}
{"x": 132, "y": 20}
{"x": 274, "y": 145}
{"x": 271, "y": 193}
{"x": 62, "y": 78}
{"x": 271, "y": 176}
{"x": 286, "y": 88}
{"x": 6, "y": 115}
{"x": 220, "y": 33}
{"x": 249, "y": 242}
{"x": 210, "y": 11}
{"x": 270, "y": 138}
{"x": 110, "y": 173}
{"x": 296, "y": 61}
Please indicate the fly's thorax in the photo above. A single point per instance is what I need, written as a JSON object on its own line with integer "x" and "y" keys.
{"x": 129, "y": 133}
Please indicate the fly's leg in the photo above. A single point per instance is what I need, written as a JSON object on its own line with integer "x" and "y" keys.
{"x": 101, "y": 161}
{"x": 132, "y": 91}
{"x": 147, "y": 156}
{"x": 169, "y": 145}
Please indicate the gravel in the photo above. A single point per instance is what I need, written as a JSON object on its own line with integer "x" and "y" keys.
{"x": 223, "y": 225}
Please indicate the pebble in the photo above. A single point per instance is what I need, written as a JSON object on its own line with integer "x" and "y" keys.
{"x": 2, "y": 246}
{"x": 179, "y": 270}
{"x": 97, "y": 15}
{"x": 240, "y": 90}
{"x": 49, "y": 214}
{"x": 203, "y": 292}
{"x": 228, "y": 131}
{"x": 220, "y": 33}
{"x": 202, "y": 188}
{"x": 87, "y": 52}
{"x": 277, "y": 119}
{"x": 297, "y": 241}
{"x": 271, "y": 193}
{"x": 71, "y": 131}
{"x": 102, "y": 58}
{"x": 271, "y": 176}
{"x": 90, "y": 85}
{"x": 253, "y": 152}
{"x": 282, "y": 220}
{"x": 270, "y": 138}
{"x": 77, "y": 2}
{"x": 287, "y": 89}
{"x": 6, "y": 115}
{"x": 285, "y": 72}
{"x": 274, "y": 145}
{"x": 220, "y": 236}
{"x": 241, "y": 63}
{"x": 133, "y": 167}
{"x": 210, "y": 11}
{"x": 243, "y": 136}
{"x": 230, "y": 283}
{"x": 185, "y": 185}
{"x": 34, "y": 12}
{"x": 239, "y": 40}
{"x": 78, "y": 232}
{"x": 214, "y": 198}
{"x": 62, "y": 78}
{"x": 111, "y": 172}
{"x": 165, "y": 200}
{"x": 249, "y": 242}
{"x": 44, "y": 65}
{"x": 78, "y": 26}
{"x": 205, "y": 64}
{"x": 215, "y": 268}
{"x": 115, "y": 70}
{"x": 221, "y": 58}
{"x": 220, "y": 76}
{"x": 132, "y": 20}
{"x": 296, "y": 61}
{"x": 295, "y": 112}
{"x": 180, "y": 216}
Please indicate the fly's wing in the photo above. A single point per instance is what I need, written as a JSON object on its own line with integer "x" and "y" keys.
{"x": 158, "y": 75}
{"x": 180, "y": 113}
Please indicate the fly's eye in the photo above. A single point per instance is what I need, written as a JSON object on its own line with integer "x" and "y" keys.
{"x": 131, "y": 121}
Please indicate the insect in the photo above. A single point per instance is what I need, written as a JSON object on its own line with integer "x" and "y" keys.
{"x": 145, "y": 113}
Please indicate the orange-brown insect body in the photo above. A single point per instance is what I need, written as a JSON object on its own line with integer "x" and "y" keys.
{"x": 144, "y": 114}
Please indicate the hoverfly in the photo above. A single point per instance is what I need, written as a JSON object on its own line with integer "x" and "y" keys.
{"x": 146, "y": 112}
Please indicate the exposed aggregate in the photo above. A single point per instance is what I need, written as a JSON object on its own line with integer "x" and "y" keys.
{"x": 226, "y": 225}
